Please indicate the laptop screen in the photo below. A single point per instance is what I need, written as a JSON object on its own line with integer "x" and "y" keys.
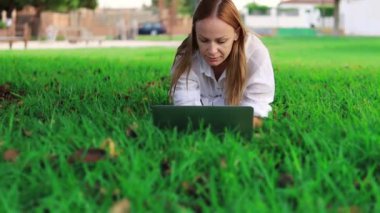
{"x": 218, "y": 118}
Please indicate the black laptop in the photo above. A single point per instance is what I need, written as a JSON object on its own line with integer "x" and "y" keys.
{"x": 218, "y": 118}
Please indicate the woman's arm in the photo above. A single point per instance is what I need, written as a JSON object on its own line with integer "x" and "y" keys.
{"x": 259, "y": 92}
{"x": 257, "y": 122}
{"x": 187, "y": 90}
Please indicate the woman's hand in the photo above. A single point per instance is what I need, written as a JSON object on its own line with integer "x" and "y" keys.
{"x": 257, "y": 122}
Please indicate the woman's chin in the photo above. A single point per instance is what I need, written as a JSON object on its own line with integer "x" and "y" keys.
{"x": 213, "y": 63}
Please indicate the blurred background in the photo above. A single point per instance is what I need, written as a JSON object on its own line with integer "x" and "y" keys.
{"x": 84, "y": 20}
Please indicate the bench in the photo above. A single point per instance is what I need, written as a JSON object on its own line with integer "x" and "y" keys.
{"x": 74, "y": 35}
{"x": 11, "y": 36}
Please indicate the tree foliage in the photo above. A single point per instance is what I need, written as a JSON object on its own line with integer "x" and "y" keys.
{"x": 51, "y": 5}
{"x": 326, "y": 10}
{"x": 257, "y": 9}
{"x": 185, "y": 7}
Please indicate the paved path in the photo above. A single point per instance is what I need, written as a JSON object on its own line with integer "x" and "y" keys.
{"x": 92, "y": 44}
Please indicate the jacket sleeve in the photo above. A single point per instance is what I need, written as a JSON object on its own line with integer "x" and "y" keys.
{"x": 260, "y": 85}
{"x": 187, "y": 90}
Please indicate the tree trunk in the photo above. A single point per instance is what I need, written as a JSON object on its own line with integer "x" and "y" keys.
{"x": 336, "y": 16}
{"x": 173, "y": 17}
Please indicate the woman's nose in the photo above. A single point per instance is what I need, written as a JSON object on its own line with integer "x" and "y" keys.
{"x": 213, "y": 48}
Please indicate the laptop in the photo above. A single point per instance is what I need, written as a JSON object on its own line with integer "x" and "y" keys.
{"x": 218, "y": 118}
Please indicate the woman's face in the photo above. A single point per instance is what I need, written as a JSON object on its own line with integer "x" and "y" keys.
{"x": 215, "y": 39}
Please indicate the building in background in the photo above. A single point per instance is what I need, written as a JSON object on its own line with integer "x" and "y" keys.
{"x": 291, "y": 14}
{"x": 360, "y": 17}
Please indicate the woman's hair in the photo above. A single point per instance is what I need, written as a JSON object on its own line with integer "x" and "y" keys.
{"x": 226, "y": 11}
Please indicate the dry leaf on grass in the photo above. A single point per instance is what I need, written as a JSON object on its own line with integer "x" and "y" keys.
{"x": 130, "y": 132}
{"x": 27, "y": 133}
{"x": 349, "y": 209}
{"x": 223, "y": 163}
{"x": 165, "y": 168}
{"x": 11, "y": 155}
{"x": 5, "y": 92}
{"x": 122, "y": 206}
{"x": 110, "y": 145}
{"x": 285, "y": 180}
{"x": 87, "y": 156}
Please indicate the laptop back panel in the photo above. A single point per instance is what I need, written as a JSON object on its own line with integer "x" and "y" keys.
{"x": 218, "y": 118}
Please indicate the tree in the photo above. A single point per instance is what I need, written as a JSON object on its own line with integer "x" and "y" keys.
{"x": 185, "y": 7}
{"x": 336, "y": 16}
{"x": 46, "y": 5}
{"x": 9, "y": 6}
{"x": 43, "y": 5}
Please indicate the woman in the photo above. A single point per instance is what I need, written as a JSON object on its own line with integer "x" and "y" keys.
{"x": 219, "y": 63}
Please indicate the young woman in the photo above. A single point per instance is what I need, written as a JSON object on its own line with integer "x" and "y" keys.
{"x": 220, "y": 63}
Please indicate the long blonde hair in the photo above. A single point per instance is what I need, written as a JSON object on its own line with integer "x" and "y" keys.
{"x": 236, "y": 69}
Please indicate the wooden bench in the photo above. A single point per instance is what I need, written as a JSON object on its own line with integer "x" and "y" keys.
{"x": 11, "y": 36}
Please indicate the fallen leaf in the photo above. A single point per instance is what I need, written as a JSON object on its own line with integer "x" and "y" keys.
{"x": 198, "y": 188}
{"x": 11, "y": 155}
{"x": 285, "y": 180}
{"x": 27, "y": 133}
{"x": 350, "y": 209}
{"x": 189, "y": 189}
{"x": 5, "y": 92}
{"x": 130, "y": 132}
{"x": 150, "y": 84}
{"x": 128, "y": 109}
{"x": 223, "y": 163}
{"x": 109, "y": 144}
{"x": 165, "y": 168}
{"x": 87, "y": 156}
{"x": 5, "y": 88}
{"x": 122, "y": 206}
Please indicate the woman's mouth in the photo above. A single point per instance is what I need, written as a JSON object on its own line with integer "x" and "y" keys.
{"x": 214, "y": 59}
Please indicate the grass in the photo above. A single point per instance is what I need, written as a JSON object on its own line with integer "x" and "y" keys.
{"x": 318, "y": 152}
{"x": 163, "y": 37}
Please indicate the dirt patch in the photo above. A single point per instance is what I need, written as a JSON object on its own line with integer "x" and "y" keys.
{"x": 6, "y": 93}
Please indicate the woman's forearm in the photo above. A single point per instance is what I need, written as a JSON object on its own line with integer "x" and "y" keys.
{"x": 257, "y": 122}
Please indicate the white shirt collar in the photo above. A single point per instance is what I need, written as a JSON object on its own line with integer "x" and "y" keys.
{"x": 206, "y": 68}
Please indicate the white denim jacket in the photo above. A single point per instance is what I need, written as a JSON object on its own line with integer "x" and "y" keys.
{"x": 203, "y": 89}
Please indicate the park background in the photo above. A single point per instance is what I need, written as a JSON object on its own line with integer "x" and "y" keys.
{"x": 76, "y": 132}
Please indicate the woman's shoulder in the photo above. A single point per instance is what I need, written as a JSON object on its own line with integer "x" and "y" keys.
{"x": 253, "y": 44}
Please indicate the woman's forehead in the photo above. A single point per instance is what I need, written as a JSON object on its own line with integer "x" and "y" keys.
{"x": 214, "y": 27}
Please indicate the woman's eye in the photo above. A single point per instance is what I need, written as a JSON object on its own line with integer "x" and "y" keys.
{"x": 222, "y": 42}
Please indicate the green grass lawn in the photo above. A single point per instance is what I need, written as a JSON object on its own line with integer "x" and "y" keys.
{"x": 163, "y": 37}
{"x": 319, "y": 151}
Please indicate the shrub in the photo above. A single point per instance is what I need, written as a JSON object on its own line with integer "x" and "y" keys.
{"x": 2, "y": 25}
{"x": 256, "y": 9}
{"x": 326, "y": 11}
